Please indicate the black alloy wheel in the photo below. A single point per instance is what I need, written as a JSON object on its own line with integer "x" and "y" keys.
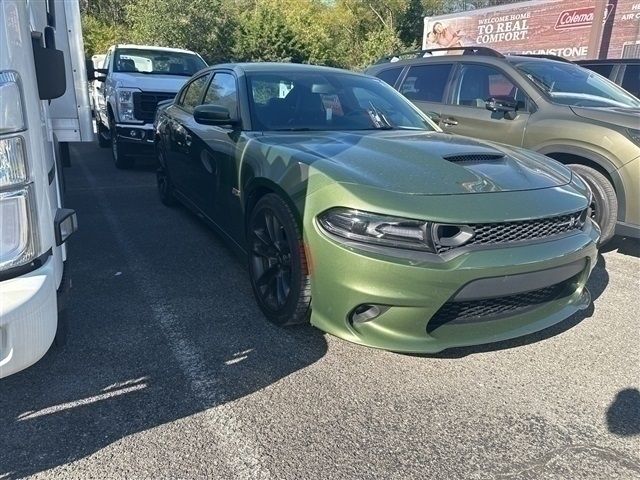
{"x": 163, "y": 181}
{"x": 277, "y": 262}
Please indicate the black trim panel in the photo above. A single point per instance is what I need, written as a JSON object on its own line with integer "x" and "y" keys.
{"x": 24, "y": 269}
{"x": 494, "y": 287}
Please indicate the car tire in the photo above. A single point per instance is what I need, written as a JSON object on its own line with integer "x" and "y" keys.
{"x": 605, "y": 202}
{"x": 165, "y": 186}
{"x": 104, "y": 141}
{"x": 119, "y": 150}
{"x": 278, "y": 266}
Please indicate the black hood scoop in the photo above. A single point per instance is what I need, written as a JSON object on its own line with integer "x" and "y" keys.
{"x": 474, "y": 157}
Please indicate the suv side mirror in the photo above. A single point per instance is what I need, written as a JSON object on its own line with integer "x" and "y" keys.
{"x": 213, "y": 115}
{"x": 502, "y": 104}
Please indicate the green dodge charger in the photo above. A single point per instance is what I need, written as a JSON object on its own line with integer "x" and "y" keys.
{"x": 357, "y": 214}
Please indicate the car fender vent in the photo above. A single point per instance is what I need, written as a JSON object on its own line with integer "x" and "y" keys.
{"x": 474, "y": 157}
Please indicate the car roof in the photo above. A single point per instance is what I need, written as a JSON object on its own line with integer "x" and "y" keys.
{"x": 152, "y": 47}
{"x": 493, "y": 59}
{"x": 603, "y": 61}
{"x": 267, "y": 67}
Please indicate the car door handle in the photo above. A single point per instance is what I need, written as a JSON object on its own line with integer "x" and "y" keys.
{"x": 449, "y": 122}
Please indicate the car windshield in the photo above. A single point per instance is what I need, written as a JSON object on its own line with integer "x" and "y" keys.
{"x": 160, "y": 62}
{"x": 329, "y": 101}
{"x": 570, "y": 84}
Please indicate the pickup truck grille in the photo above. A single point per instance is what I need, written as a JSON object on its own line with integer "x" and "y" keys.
{"x": 146, "y": 103}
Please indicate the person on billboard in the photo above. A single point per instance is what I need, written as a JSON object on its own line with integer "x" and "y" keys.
{"x": 445, "y": 36}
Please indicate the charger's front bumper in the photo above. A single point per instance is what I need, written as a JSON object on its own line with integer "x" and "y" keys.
{"x": 412, "y": 287}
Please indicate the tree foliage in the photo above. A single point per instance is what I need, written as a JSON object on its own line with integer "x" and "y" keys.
{"x": 345, "y": 33}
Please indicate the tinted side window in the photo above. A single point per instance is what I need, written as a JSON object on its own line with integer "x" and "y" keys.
{"x": 478, "y": 83}
{"x": 631, "y": 81}
{"x": 193, "y": 93}
{"x": 426, "y": 83}
{"x": 604, "y": 70}
{"x": 390, "y": 76}
{"x": 222, "y": 91}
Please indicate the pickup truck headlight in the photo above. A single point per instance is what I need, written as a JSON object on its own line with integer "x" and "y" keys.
{"x": 377, "y": 229}
{"x": 124, "y": 100}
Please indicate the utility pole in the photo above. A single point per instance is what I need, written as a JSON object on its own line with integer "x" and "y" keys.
{"x": 593, "y": 49}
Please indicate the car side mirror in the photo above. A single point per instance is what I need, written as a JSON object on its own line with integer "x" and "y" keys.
{"x": 213, "y": 115}
{"x": 91, "y": 71}
{"x": 434, "y": 117}
{"x": 502, "y": 104}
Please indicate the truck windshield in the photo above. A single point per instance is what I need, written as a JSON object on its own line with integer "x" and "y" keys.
{"x": 329, "y": 101}
{"x": 160, "y": 62}
{"x": 570, "y": 84}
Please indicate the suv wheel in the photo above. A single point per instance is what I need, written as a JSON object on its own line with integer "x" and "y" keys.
{"x": 119, "y": 150}
{"x": 277, "y": 262}
{"x": 604, "y": 207}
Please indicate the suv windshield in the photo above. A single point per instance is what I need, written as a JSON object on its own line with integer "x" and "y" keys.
{"x": 570, "y": 84}
{"x": 162, "y": 62}
{"x": 328, "y": 101}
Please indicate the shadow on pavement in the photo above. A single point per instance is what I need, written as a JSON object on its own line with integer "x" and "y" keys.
{"x": 597, "y": 283}
{"x": 161, "y": 323}
{"x": 623, "y": 415}
{"x": 623, "y": 245}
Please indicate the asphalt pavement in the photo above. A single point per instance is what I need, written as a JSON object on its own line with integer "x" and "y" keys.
{"x": 170, "y": 370}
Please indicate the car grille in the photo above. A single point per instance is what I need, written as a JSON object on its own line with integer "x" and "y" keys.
{"x": 475, "y": 311}
{"x": 146, "y": 103}
{"x": 511, "y": 232}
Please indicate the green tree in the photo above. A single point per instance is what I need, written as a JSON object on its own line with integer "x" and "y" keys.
{"x": 263, "y": 34}
{"x": 198, "y": 25}
{"x": 99, "y": 36}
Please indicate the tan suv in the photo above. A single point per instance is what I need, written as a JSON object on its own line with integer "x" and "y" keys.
{"x": 554, "y": 107}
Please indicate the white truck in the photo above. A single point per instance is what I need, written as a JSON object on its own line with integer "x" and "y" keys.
{"x": 44, "y": 104}
{"x": 135, "y": 78}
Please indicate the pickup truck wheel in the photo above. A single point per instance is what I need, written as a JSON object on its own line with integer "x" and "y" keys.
{"x": 604, "y": 207}
{"x": 277, "y": 262}
{"x": 119, "y": 150}
{"x": 104, "y": 141}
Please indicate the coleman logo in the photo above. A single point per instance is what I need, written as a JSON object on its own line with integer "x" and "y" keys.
{"x": 578, "y": 17}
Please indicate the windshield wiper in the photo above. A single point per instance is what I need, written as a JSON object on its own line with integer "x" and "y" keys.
{"x": 291, "y": 129}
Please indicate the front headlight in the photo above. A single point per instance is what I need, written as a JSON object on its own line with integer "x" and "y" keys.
{"x": 124, "y": 97}
{"x": 377, "y": 229}
{"x": 634, "y": 135}
{"x": 18, "y": 241}
{"x": 13, "y": 170}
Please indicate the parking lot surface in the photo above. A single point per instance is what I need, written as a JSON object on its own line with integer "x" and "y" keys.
{"x": 170, "y": 370}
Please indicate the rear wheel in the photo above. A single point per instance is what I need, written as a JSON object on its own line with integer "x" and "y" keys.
{"x": 119, "y": 150}
{"x": 604, "y": 206}
{"x": 277, "y": 262}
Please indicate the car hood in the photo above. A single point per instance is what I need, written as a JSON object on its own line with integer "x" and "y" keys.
{"x": 622, "y": 117}
{"x": 421, "y": 163}
{"x": 150, "y": 82}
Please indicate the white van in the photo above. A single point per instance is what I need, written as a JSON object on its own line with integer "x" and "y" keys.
{"x": 44, "y": 104}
